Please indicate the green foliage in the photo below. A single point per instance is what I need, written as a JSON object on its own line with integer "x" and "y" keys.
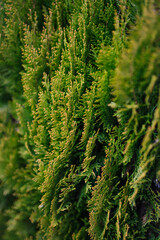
{"x": 61, "y": 96}
{"x": 80, "y": 120}
{"x": 132, "y": 159}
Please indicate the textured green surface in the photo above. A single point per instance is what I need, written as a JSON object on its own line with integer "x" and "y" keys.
{"x": 80, "y": 120}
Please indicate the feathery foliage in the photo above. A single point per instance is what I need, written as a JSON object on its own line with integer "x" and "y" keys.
{"x": 79, "y": 130}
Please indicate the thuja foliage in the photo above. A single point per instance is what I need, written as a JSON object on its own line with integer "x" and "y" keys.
{"x": 125, "y": 202}
{"x": 79, "y": 130}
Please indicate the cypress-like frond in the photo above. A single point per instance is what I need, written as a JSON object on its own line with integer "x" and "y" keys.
{"x": 132, "y": 181}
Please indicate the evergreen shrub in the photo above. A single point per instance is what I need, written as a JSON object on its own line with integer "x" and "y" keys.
{"x": 80, "y": 120}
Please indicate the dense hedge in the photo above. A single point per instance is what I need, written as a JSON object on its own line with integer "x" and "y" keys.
{"x": 79, "y": 120}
